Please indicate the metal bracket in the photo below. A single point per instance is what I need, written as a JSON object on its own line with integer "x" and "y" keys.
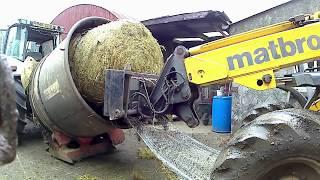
{"x": 302, "y": 19}
{"x": 173, "y": 69}
{"x": 180, "y": 96}
{"x": 115, "y": 93}
{"x": 119, "y": 86}
{"x": 171, "y": 93}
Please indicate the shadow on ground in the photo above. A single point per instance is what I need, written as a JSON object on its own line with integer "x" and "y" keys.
{"x": 33, "y": 162}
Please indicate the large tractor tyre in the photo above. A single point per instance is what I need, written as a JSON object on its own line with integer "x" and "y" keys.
{"x": 259, "y": 110}
{"x": 283, "y": 144}
{"x": 296, "y": 100}
{"x": 8, "y": 114}
{"x": 21, "y": 106}
{"x": 262, "y": 109}
{"x": 21, "y": 102}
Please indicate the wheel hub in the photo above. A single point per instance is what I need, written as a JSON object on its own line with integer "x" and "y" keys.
{"x": 299, "y": 168}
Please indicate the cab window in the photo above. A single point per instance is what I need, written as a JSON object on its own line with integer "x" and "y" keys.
{"x": 16, "y": 42}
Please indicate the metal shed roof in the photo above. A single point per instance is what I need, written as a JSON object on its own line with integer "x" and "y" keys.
{"x": 68, "y": 17}
{"x": 168, "y": 29}
{"x": 188, "y": 25}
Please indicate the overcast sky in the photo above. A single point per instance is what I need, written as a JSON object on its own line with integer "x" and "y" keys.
{"x": 46, "y": 10}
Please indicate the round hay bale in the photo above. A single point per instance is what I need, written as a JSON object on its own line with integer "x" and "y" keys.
{"x": 111, "y": 46}
{"x": 28, "y": 67}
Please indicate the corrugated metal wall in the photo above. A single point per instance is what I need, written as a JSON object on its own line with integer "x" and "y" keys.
{"x": 275, "y": 15}
{"x": 70, "y": 16}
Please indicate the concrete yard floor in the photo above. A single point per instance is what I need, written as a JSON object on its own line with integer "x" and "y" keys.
{"x": 34, "y": 163}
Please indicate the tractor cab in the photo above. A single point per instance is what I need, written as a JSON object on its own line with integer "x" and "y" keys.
{"x": 22, "y": 41}
{"x": 31, "y": 38}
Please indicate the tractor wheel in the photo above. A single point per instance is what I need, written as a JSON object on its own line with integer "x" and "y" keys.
{"x": 8, "y": 114}
{"x": 296, "y": 100}
{"x": 21, "y": 106}
{"x": 259, "y": 110}
{"x": 278, "y": 145}
{"x": 262, "y": 109}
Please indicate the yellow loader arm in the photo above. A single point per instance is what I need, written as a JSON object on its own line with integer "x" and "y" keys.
{"x": 251, "y": 58}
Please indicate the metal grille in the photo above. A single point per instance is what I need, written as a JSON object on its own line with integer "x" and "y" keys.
{"x": 185, "y": 156}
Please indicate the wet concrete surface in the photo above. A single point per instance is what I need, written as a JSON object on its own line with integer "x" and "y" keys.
{"x": 33, "y": 162}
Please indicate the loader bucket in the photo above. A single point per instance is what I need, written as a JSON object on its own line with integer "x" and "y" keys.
{"x": 54, "y": 97}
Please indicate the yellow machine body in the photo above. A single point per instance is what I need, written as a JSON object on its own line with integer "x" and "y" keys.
{"x": 249, "y": 58}
{"x": 315, "y": 106}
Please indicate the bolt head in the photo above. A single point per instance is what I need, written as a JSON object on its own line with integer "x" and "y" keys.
{"x": 267, "y": 78}
{"x": 180, "y": 51}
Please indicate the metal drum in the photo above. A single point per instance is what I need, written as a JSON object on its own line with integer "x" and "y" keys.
{"x": 54, "y": 97}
